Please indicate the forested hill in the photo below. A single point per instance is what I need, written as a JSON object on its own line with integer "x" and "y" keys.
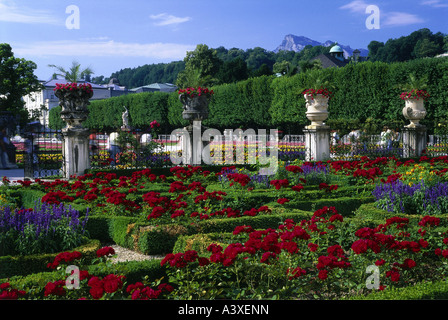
{"x": 146, "y": 74}
{"x": 237, "y": 64}
{"x": 234, "y": 65}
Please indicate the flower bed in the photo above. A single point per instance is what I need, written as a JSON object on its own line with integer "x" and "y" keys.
{"x": 310, "y": 231}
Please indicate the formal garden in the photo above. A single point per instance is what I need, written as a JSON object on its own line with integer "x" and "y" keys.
{"x": 362, "y": 224}
{"x": 309, "y": 232}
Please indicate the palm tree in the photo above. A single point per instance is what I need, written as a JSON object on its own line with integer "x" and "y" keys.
{"x": 74, "y": 74}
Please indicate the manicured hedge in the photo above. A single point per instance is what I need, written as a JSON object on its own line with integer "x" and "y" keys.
{"x": 106, "y": 229}
{"x": 365, "y": 94}
{"x": 421, "y": 291}
{"x": 157, "y": 171}
{"x": 162, "y": 239}
{"x": 344, "y": 205}
{"x": 134, "y": 271}
{"x": 26, "y": 197}
{"x": 23, "y": 265}
{"x": 200, "y": 242}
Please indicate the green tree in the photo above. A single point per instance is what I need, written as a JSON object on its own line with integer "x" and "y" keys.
{"x": 233, "y": 71}
{"x": 201, "y": 68}
{"x": 284, "y": 67}
{"x": 374, "y": 49}
{"x": 305, "y": 65}
{"x": 264, "y": 70}
{"x": 17, "y": 79}
{"x": 257, "y": 57}
{"x": 54, "y": 119}
{"x": 418, "y": 44}
{"x": 426, "y": 48}
{"x": 74, "y": 74}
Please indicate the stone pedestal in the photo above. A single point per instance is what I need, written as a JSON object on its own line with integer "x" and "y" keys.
{"x": 192, "y": 145}
{"x": 317, "y": 143}
{"x": 75, "y": 151}
{"x": 414, "y": 141}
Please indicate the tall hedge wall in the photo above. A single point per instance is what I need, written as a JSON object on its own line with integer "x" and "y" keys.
{"x": 143, "y": 108}
{"x": 363, "y": 92}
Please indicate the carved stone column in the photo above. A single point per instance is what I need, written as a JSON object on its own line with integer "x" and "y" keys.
{"x": 317, "y": 134}
{"x": 414, "y": 141}
{"x": 75, "y": 151}
{"x": 317, "y": 143}
{"x": 195, "y": 110}
{"x": 74, "y": 99}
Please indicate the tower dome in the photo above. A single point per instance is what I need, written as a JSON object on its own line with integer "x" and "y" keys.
{"x": 336, "y": 48}
{"x": 337, "y": 52}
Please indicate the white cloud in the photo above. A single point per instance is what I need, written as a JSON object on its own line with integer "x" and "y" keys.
{"x": 166, "y": 19}
{"x": 401, "y": 19}
{"x": 10, "y": 12}
{"x": 109, "y": 48}
{"x": 356, "y": 6}
{"x": 389, "y": 18}
{"x": 435, "y": 3}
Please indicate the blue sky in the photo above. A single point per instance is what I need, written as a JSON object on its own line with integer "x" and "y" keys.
{"x": 113, "y": 35}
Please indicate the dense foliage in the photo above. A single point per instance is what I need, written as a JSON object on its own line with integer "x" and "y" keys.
{"x": 231, "y": 65}
{"x": 419, "y": 44}
{"x": 366, "y": 93}
{"x": 17, "y": 79}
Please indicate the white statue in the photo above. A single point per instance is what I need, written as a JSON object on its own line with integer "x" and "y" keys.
{"x": 125, "y": 117}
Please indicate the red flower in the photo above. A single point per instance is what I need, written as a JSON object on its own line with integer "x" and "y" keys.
{"x": 323, "y": 274}
{"x": 429, "y": 221}
{"x": 64, "y": 257}
{"x": 242, "y": 179}
{"x": 380, "y": 262}
{"x": 408, "y": 264}
{"x": 190, "y": 256}
{"x": 203, "y": 261}
{"x": 393, "y": 274}
{"x": 55, "y": 288}
{"x": 154, "y": 124}
{"x": 105, "y": 251}
{"x": 282, "y": 200}
{"x": 278, "y": 184}
{"x": 294, "y": 169}
{"x": 266, "y": 256}
{"x": 296, "y": 272}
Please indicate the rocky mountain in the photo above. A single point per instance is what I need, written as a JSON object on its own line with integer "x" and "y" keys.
{"x": 298, "y": 43}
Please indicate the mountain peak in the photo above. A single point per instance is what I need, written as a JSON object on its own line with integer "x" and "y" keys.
{"x": 298, "y": 43}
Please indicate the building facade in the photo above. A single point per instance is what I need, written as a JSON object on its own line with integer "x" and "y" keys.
{"x": 41, "y": 102}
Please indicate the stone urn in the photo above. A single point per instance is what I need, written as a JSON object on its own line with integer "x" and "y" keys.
{"x": 74, "y": 100}
{"x": 316, "y": 109}
{"x": 414, "y": 111}
{"x": 195, "y": 108}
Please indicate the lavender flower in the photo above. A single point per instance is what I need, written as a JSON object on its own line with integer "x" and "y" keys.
{"x": 400, "y": 197}
{"x": 55, "y": 226}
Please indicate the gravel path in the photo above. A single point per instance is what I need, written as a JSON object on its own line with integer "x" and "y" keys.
{"x": 123, "y": 255}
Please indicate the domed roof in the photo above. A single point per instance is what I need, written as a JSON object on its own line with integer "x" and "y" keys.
{"x": 336, "y": 48}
